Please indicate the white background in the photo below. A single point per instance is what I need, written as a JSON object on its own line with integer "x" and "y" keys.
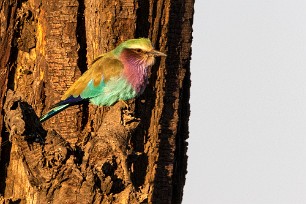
{"x": 248, "y": 100}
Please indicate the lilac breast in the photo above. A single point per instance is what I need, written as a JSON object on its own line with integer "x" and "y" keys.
{"x": 135, "y": 71}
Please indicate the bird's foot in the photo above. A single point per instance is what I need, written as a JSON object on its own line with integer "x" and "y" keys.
{"x": 127, "y": 117}
{"x": 124, "y": 105}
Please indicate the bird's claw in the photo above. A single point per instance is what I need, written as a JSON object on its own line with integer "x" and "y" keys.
{"x": 127, "y": 118}
{"x": 126, "y": 106}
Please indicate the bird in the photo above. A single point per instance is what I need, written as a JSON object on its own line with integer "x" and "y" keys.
{"x": 118, "y": 75}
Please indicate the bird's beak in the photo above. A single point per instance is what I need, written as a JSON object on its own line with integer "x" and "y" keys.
{"x": 156, "y": 53}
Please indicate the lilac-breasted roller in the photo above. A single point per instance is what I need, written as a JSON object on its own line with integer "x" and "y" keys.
{"x": 120, "y": 74}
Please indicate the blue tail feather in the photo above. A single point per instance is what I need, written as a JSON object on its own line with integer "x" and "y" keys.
{"x": 58, "y": 107}
{"x": 69, "y": 100}
{"x": 53, "y": 112}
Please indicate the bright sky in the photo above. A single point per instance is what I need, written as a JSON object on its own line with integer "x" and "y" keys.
{"x": 248, "y": 100}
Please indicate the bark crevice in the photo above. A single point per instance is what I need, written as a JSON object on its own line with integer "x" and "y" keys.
{"x": 82, "y": 53}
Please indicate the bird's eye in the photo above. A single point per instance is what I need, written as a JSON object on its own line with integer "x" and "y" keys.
{"x": 138, "y": 50}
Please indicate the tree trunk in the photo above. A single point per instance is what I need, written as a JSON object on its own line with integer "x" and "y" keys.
{"x": 90, "y": 154}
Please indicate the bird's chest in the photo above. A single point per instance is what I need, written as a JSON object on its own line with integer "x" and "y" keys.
{"x": 114, "y": 90}
{"x": 137, "y": 78}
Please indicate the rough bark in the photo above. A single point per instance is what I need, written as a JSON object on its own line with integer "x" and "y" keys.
{"x": 89, "y": 154}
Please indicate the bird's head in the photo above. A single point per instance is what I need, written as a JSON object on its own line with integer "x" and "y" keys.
{"x": 138, "y": 51}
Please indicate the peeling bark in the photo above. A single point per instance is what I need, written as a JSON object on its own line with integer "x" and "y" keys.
{"x": 89, "y": 154}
